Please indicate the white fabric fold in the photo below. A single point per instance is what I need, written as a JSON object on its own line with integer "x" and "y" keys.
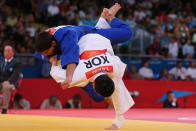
{"x": 102, "y": 23}
{"x": 121, "y": 98}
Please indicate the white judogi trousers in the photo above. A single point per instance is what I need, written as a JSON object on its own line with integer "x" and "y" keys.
{"x": 121, "y": 98}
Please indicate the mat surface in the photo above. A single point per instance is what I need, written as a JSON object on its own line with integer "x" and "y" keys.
{"x": 98, "y": 119}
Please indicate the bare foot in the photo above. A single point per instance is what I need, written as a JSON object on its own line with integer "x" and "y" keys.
{"x": 105, "y": 13}
{"x": 113, "y": 11}
{"x": 113, "y": 7}
{"x": 112, "y": 127}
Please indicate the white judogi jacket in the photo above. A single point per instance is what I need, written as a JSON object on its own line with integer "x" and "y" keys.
{"x": 97, "y": 57}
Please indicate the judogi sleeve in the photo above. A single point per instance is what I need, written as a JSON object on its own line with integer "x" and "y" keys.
{"x": 79, "y": 79}
{"x": 70, "y": 49}
{"x": 102, "y": 23}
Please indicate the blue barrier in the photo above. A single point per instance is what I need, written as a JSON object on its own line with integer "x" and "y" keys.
{"x": 155, "y": 65}
{"x": 32, "y": 71}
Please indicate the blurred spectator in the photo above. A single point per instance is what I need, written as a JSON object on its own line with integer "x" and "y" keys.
{"x": 20, "y": 102}
{"x": 71, "y": 12}
{"x": 51, "y": 103}
{"x": 126, "y": 74}
{"x": 184, "y": 30}
{"x": 146, "y": 72}
{"x": 178, "y": 72}
{"x": 173, "y": 48}
{"x": 46, "y": 66}
{"x": 9, "y": 74}
{"x": 165, "y": 38}
{"x": 191, "y": 72}
{"x": 154, "y": 49}
{"x": 42, "y": 5}
{"x": 169, "y": 25}
{"x": 2, "y": 37}
{"x": 131, "y": 21}
{"x": 61, "y": 18}
{"x": 131, "y": 2}
{"x": 139, "y": 14}
{"x": 31, "y": 28}
{"x": 11, "y": 20}
{"x": 1, "y": 101}
{"x": 147, "y": 4}
{"x": 172, "y": 14}
{"x": 162, "y": 16}
{"x": 171, "y": 101}
{"x": 53, "y": 9}
{"x": 74, "y": 103}
{"x": 135, "y": 75}
{"x": 164, "y": 75}
{"x": 188, "y": 50}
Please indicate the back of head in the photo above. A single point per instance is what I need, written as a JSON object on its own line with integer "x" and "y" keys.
{"x": 43, "y": 41}
{"x": 169, "y": 93}
{"x": 77, "y": 97}
{"x": 53, "y": 100}
{"x": 17, "y": 97}
{"x": 145, "y": 63}
{"x": 104, "y": 85}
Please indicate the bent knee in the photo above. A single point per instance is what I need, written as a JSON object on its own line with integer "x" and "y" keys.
{"x": 7, "y": 88}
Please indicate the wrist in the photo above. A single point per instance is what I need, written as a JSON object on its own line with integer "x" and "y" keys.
{"x": 54, "y": 63}
{"x": 111, "y": 18}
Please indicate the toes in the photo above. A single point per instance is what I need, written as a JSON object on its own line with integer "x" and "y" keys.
{"x": 105, "y": 10}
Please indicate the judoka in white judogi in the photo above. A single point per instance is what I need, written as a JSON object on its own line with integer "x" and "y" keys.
{"x": 97, "y": 58}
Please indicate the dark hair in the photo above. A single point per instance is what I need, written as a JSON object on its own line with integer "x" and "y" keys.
{"x": 77, "y": 96}
{"x": 43, "y": 41}
{"x": 174, "y": 37}
{"x": 144, "y": 62}
{"x": 17, "y": 97}
{"x": 163, "y": 71}
{"x": 52, "y": 97}
{"x": 104, "y": 85}
{"x": 179, "y": 61}
{"x": 169, "y": 92}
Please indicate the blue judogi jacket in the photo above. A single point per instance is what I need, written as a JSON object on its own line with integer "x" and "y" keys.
{"x": 67, "y": 37}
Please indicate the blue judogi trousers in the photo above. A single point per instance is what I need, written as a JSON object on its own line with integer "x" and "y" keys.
{"x": 91, "y": 92}
{"x": 119, "y": 31}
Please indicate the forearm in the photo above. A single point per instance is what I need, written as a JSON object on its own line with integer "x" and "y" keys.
{"x": 60, "y": 75}
{"x": 70, "y": 71}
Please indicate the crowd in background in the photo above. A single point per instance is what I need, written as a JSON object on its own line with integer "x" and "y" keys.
{"x": 176, "y": 73}
{"x": 52, "y": 102}
{"x": 172, "y": 22}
